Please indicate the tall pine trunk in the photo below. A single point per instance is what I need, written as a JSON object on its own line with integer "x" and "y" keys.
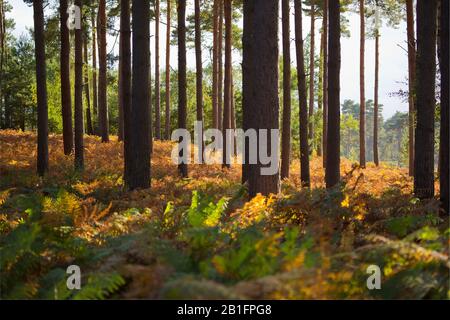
{"x": 215, "y": 72}
{"x": 445, "y": 108}
{"x": 139, "y": 172}
{"x": 303, "y": 104}
{"x": 311, "y": 76}
{"x": 362, "y": 94}
{"x": 332, "y": 169}
{"x": 94, "y": 74}
{"x": 325, "y": 83}
{"x": 125, "y": 83}
{"x": 157, "y": 88}
{"x": 41, "y": 85}
{"x": 121, "y": 110}
{"x": 199, "y": 70}
{"x": 426, "y": 101}
{"x": 375, "y": 107}
{"x": 66, "y": 100}
{"x": 220, "y": 67}
{"x": 411, "y": 80}
{"x": 102, "y": 81}
{"x": 79, "y": 121}
{"x": 167, "y": 119}
{"x": 182, "y": 81}
{"x": 90, "y": 129}
{"x": 286, "y": 133}
{"x": 227, "y": 87}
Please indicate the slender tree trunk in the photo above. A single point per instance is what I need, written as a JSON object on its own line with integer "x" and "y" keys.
{"x": 182, "y": 82}
{"x": 90, "y": 129}
{"x": 286, "y": 134}
{"x": 248, "y": 53}
{"x": 426, "y": 101}
{"x": 215, "y": 74}
{"x": 168, "y": 22}
{"x": 2, "y": 55}
{"x": 79, "y": 121}
{"x": 325, "y": 82}
{"x": 94, "y": 74}
{"x": 41, "y": 84}
{"x": 265, "y": 92}
{"x": 199, "y": 70}
{"x": 125, "y": 97}
{"x": 102, "y": 81}
{"x": 139, "y": 172}
{"x": 157, "y": 88}
{"x": 66, "y": 100}
{"x": 362, "y": 94}
{"x": 303, "y": 104}
{"x": 233, "y": 114}
{"x": 220, "y": 66}
{"x": 320, "y": 91}
{"x": 311, "y": 76}
{"x": 412, "y": 80}
{"x": 121, "y": 109}
{"x": 332, "y": 171}
{"x": 227, "y": 88}
{"x": 375, "y": 107}
{"x": 445, "y": 108}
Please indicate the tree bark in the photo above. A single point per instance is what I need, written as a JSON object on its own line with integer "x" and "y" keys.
{"x": 182, "y": 82}
{"x": 303, "y": 104}
{"x": 102, "y": 81}
{"x": 121, "y": 124}
{"x": 41, "y": 84}
{"x": 332, "y": 171}
{"x": 411, "y": 80}
{"x": 167, "y": 123}
{"x": 199, "y": 69}
{"x": 90, "y": 129}
{"x": 362, "y": 94}
{"x": 445, "y": 108}
{"x": 94, "y": 74}
{"x": 311, "y": 76}
{"x": 157, "y": 88}
{"x": 139, "y": 172}
{"x": 375, "y": 106}
{"x": 325, "y": 83}
{"x": 220, "y": 67}
{"x": 286, "y": 134}
{"x": 227, "y": 88}
{"x": 79, "y": 121}
{"x": 215, "y": 116}
{"x": 125, "y": 97}
{"x": 66, "y": 100}
{"x": 265, "y": 90}
{"x": 426, "y": 101}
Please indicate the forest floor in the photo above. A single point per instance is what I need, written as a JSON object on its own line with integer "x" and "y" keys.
{"x": 199, "y": 238}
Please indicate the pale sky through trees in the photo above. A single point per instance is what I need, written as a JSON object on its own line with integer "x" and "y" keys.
{"x": 393, "y": 59}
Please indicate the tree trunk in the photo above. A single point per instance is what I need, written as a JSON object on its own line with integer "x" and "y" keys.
{"x": 41, "y": 84}
{"x": 286, "y": 134}
{"x": 362, "y": 94}
{"x": 325, "y": 83}
{"x": 66, "y": 100}
{"x": 311, "y": 77}
{"x": 90, "y": 129}
{"x": 426, "y": 101}
{"x": 157, "y": 89}
{"x": 220, "y": 67}
{"x": 411, "y": 80}
{"x": 121, "y": 124}
{"x": 167, "y": 124}
{"x": 320, "y": 90}
{"x": 445, "y": 120}
{"x": 2, "y": 56}
{"x": 94, "y": 74}
{"x": 215, "y": 116}
{"x": 265, "y": 90}
{"x": 139, "y": 172}
{"x": 125, "y": 97}
{"x": 102, "y": 81}
{"x": 199, "y": 69}
{"x": 375, "y": 106}
{"x": 303, "y": 104}
{"x": 79, "y": 121}
{"x": 182, "y": 82}
{"x": 332, "y": 169}
{"x": 227, "y": 88}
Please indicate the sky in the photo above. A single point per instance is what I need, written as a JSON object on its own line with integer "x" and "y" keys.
{"x": 393, "y": 58}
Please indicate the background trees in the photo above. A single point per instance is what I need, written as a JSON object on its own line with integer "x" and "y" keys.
{"x": 102, "y": 80}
